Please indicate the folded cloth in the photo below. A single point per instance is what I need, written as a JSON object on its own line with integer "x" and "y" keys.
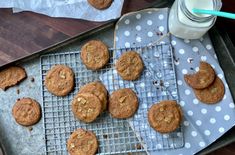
{"x": 203, "y": 123}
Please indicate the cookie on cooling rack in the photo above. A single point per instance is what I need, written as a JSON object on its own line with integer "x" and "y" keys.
{"x": 86, "y": 107}
{"x": 11, "y": 76}
{"x": 203, "y": 78}
{"x": 165, "y": 116}
{"x": 26, "y": 111}
{"x": 100, "y": 4}
{"x": 130, "y": 65}
{"x": 123, "y": 103}
{"x": 98, "y": 89}
{"x": 212, "y": 94}
{"x": 82, "y": 142}
{"x": 60, "y": 80}
{"x": 94, "y": 54}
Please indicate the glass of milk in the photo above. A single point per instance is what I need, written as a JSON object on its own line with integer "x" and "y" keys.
{"x": 183, "y": 23}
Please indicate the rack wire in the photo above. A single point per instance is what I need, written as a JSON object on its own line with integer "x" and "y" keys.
{"x": 114, "y": 135}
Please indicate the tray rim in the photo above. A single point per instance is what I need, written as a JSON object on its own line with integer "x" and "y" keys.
{"x": 224, "y": 38}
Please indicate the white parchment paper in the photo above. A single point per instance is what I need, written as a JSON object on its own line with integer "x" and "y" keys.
{"x": 78, "y": 9}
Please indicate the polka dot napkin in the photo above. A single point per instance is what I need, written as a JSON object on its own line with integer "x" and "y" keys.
{"x": 203, "y": 124}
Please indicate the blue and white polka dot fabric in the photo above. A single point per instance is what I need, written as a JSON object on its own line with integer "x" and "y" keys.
{"x": 203, "y": 123}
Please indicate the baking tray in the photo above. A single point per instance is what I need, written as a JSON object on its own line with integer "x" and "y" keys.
{"x": 2, "y": 150}
{"x": 220, "y": 40}
{"x": 224, "y": 49}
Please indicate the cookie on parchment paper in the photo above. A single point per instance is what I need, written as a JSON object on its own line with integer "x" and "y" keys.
{"x": 11, "y": 76}
{"x": 26, "y": 111}
{"x": 100, "y": 4}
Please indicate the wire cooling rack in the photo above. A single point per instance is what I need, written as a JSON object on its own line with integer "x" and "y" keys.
{"x": 157, "y": 83}
{"x": 114, "y": 135}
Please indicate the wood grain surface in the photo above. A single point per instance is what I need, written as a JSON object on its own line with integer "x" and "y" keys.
{"x": 25, "y": 33}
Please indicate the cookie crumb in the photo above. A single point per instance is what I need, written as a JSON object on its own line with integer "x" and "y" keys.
{"x": 32, "y": 79}
{"x": 18, "y": 91}
{"x": 138, "y": 146}
{"x": 30, "y": 128}
{"x": 191, "y": 68}
{"x": 155, "y": 82}
{"x": 190, "y": 60}
{"x": 105, "y": 136}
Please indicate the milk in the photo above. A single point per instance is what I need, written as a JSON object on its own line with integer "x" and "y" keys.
{"x": 199, "y": 4}
{"x": 184, "y": 27}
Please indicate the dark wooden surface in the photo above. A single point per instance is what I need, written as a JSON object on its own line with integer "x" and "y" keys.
{"x": 227, "y": 150}
{"x": 25, "y": 33}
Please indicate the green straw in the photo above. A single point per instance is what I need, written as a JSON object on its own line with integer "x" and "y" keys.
{"x": 215, "y": 13}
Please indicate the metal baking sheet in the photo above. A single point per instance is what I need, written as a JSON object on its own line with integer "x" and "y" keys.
{"x": 20, "y": 140}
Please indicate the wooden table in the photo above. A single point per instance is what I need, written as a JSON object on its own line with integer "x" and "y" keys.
{"x": 25, "y": 33}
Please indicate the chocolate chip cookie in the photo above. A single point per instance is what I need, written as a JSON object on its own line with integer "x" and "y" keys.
{"x": 203, "y": 78}
{"x": 212, "y": 94}
{"x": 82, "y": 142}
{"x": 165, "y": 116}
{"x": 86, "y": 107}
{"x": 60, "y": 80}
{"x": 95, "y": 54}
{"x": 123, "y": 103}
{"x": 26, "y": 111}
{"x": 100, "y": 4}
{"x": 130, "y": 65}
{"x": 98, "y": 89}
{"x": 11, "y": 76}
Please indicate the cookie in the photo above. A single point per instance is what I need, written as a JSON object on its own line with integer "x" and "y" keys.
{"x": 60, "y": 80}
{"x": 11, "y": 76}
{"x": 98, "y": 89}
{"x": 100, "y": 4}
{"x": 123, "y": 103}
{"x": 82, "y": 142}
{"x": 212, "y": 94}
{"x": 165, "y": 116}
{"x": 203, "y": 78}
{"x": 130, "y": 65}
{"x": 94, "y": 54}
{"x": 26, "y": 111}
{"x": 86, "y": 107}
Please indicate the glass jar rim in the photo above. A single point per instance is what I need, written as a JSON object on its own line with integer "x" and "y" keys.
{"x": 188, "y": 13}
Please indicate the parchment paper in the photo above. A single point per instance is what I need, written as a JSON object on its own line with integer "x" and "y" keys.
{"x": 79, "y": 9}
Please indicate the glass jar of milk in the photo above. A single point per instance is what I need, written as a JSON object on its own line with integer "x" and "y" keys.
{"x": 183, "y": 23}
